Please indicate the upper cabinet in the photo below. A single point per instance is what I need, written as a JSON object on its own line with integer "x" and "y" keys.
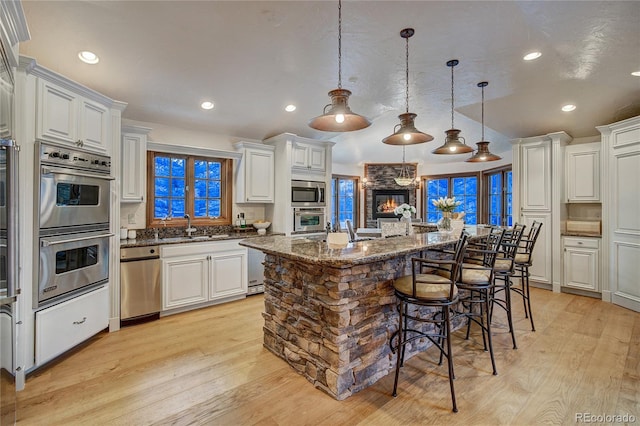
{"x": 535, "y": 175}
{"x": 134, "y": 164}
{"x": 583, "y": 173}
{"x": 65, "y": 116}
{"x": 255, "y": 173}
{"x": 309, "y": 157}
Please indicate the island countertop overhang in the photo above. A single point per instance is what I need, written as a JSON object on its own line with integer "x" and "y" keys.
{"x": 361, "y": 252}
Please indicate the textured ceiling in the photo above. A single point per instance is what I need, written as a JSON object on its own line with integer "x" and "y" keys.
{"x": 254, "y": 57}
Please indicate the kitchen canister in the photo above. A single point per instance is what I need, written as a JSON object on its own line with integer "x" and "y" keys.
{"x": 131, "y": 234}
{"x": 123, "y": 233}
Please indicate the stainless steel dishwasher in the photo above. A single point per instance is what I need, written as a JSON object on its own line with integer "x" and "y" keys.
{"x": 140, "y": 283}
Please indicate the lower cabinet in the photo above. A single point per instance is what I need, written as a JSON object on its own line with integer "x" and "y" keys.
{"x": 197, "y": 273}
{"x": 581, "y": 263}
{"x": 63, "y": 326}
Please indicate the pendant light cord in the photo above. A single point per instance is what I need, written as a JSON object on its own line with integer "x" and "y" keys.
{"x": 452, "y": 66}
{"x": 482, "y": 115}
{"x": 407, "y": 82}
{"x": 339, "y": 44}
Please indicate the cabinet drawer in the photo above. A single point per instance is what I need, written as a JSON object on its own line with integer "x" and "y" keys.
{"x": 582, "y": 242}
{"x": 63, "y": 326}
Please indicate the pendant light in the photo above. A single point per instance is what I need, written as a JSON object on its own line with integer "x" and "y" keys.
{"x": 483, "y": 153}
{"x": 339, "y": 117}
{"x": 452, "y": 143}
{"x": 404, "y": 178}
{"x": 406, "y": 133}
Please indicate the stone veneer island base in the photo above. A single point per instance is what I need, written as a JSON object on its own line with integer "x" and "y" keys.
{"x": 330, "y": 312}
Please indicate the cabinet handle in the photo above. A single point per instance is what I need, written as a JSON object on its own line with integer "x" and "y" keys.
{"x": 580, "y": 242}
{"x": 79, "y": 142}
{"x": 80, "y": 322}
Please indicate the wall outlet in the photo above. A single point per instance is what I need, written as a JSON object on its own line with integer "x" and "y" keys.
{"x": 131, "y": 218}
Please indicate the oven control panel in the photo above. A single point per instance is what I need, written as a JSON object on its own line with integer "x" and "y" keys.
{"x": 59, "y": 155}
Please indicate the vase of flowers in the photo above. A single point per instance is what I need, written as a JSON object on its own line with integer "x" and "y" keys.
{"x": 404, "y": 211}
{"x": 446, "y": 206}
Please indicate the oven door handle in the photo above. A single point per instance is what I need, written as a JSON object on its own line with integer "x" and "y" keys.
{"x": 47, "y": 243}
{"x": 49, "y": 170}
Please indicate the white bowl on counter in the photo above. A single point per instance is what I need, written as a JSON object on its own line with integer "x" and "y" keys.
{"x": 261, "y": 227}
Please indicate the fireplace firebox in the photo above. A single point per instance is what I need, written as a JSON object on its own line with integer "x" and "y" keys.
{"x": 386, "y": 200}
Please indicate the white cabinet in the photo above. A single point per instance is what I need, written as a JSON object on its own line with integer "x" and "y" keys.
{"x": 67, "y": 117}
{"x": 310, "y": 157}
{"x": 255, "y": 174}
{"x": 134, "y": 164}
{"x": 69, "y": 323}
{"x": 581, "y": 263}
{"x": 583, "y": 173}
{"x": 538, "y": 190}
{"x": 199, "y": 273}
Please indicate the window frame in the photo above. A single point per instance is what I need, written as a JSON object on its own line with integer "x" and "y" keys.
{"x": 485, "y": 192}
{"x": 226, "y": 195}
{"x": 479, "y": 195}
{"x": 356, "y": 199}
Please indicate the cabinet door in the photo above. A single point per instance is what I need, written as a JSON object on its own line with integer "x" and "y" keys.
{"x": 583, "y": 176}
{"x": 184, "y": 281}
{"x": 536, "y": 176}
{"x": 134, "y": 168}
{"x": 317, "y": 158}
{"x": 57, "y": 113}
{"x": 299, "y": 156}
{"x": 228, "y": 274}
{"x": 93, "y": 125}
{"x": 540, "y": 269}
{"x": 581, "y": 268}
{"x": 259, "y": 178}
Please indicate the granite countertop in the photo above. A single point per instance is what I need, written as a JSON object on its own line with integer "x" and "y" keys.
{"x": 145, "y": 242}
{"x": 424, "y": 224}
{"x": 316, "y": 251}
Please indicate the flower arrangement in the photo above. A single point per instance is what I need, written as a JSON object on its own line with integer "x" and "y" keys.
{"x": 405, "y": 210}
{"x": 446, "y": 204}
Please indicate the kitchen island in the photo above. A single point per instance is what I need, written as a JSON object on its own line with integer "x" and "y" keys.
{"x": 330, "y": 311}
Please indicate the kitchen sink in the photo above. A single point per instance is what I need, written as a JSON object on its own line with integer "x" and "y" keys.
{"x": 193, "y": 238}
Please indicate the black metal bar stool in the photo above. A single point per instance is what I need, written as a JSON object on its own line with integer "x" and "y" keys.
{"x": 504, "y": 269}
{"x": 435, "y": 289}
{"x": 477, "y": 278}
{"x": 523, "y": 261}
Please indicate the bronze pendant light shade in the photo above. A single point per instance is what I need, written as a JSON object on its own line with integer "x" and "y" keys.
{"x": 406, "y": 133}
{"x": 483, "y": 154}
{"x": 452, "y": 143}
{"x": 337, "y": 116}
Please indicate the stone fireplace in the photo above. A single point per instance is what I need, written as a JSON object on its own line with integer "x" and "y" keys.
{"x": 382, "y": 192}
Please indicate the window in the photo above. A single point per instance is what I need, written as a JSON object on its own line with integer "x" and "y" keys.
{"x": 344, "y": 196}
{"x": 498, "y": 184}
{"x": 180, "y": 185}
{"x": 463, "y": 187}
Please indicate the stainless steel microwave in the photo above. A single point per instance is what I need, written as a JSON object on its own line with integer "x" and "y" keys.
{"x": 308, "y": 193}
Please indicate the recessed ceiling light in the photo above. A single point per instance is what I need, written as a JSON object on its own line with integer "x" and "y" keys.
{"x": 568, "y": 108}
{"x": 290, "y": 108}
{"x": 88, "y": 57}
{"x": 636, "y": 73}
{"x": 206, "y": 105}
{"x": 531, "y": 56}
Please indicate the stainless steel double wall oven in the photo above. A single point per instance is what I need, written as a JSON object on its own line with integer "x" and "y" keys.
{"x": 74, "y": 206}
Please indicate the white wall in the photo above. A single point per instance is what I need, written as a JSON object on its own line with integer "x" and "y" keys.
{"x": 133, "y": 215}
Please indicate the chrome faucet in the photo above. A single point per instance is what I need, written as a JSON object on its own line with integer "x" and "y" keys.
{"x": 189, "y": 229}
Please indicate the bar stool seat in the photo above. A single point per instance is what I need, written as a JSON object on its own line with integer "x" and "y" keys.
{"x": 433, "y": 286}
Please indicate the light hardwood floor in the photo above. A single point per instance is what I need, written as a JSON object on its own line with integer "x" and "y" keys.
{"x": 209, "y": 367}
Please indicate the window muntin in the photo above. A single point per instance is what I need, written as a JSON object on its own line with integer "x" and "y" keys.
{"x": 499, "y": 197}
{"x": 197, "y": 186}
{"x": 463, "y": 187}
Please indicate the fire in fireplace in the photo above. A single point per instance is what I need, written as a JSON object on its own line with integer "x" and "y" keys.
{"x": 386, "y": 200}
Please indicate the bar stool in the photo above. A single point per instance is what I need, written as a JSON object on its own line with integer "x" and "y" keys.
{"x": 435, "y": 289}
{"x": 523, "y": 262}
{"x": 504, "y": 269}
{"x": 477, "y": 278}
